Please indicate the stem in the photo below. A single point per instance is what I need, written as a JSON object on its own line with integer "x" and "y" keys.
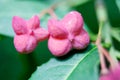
{"x": 52, "y": 13}
{"x": 49, "y": 11}
{"x": 106, "y": 53}
{"x": 42, "y": 13}
{"x": 98, "y": 41}
{"x": 104, "y": 69}
{"x": 103, "y": 52}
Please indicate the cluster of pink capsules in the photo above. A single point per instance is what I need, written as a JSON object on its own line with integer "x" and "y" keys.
{"x": 63, "y": 35}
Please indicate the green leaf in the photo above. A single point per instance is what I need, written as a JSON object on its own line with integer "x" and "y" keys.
{"x": 27, "y": 10}
{"x": 13, "y": 66}
{"x": 76, "y": 2}
{"x": 79, "y": 66}
{"x": 24, "y": 9}
{"x": 118, "y": 4}
{"x": 114, "y": 53}
{"x": 42, "y": 54}
{"x": 106, "y": 30}
{"x": 113, "y": 12}
{"x": 93, "y": 36}
{"x": 16, "y": 66}
{"x": 115, "y": 33}
{"x": 88, "y": 12}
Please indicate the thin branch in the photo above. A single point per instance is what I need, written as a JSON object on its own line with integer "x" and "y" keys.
{"x": 49, "y": 11}
{"x": 104, "y": 69}
{"x": 42, "y": 13}
{"x": 103, "y": 52}
{"x": 52, "y": 13}
{"x": 106, "y": 53}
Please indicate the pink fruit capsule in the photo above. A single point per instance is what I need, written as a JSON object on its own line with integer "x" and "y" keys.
{"x": 28, "y": 33}
{"x": 66, "y": 34}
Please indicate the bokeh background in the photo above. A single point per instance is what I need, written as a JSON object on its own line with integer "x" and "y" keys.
{"x": 15, "y": 66}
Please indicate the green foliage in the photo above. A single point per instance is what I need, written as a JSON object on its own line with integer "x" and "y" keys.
{"x": 20, "y": 66}
{"x": 113, "y": 12}
{"x": 89, "y": 15}
{"x": 114, "y": 53}
{"x": 77, "y": 65}
{"x": 115, "y": 33}
{"x": 80, "y": 65}
{"x": 77, "y": 2}
{"x": 12, "y": 67}
{"x": 118, "y": 4}
{"x": 24, "y": 9}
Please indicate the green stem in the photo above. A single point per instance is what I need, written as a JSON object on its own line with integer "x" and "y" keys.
{"x": 104, "y": 69}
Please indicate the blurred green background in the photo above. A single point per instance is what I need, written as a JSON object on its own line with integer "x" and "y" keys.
{"x": 15, "y": 66}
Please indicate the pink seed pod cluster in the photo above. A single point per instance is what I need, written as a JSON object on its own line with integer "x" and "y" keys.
{"x": 114, "y": 74}
{"x": 28, "y": 33}
{"x": 66, "y": 34}
{"x": 63, "y": 34}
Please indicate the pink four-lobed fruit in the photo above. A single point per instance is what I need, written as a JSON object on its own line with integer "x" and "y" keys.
{"x": 66, "y": 34}
{"x": 28, "y": 33}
